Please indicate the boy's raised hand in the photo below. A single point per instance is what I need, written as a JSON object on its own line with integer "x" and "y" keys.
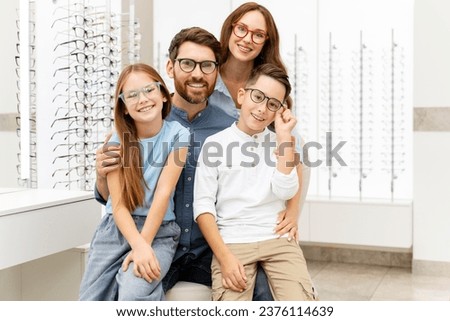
{"x": 284, "y": 122}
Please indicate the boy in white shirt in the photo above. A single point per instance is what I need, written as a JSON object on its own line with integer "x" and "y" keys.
{"x": 245, "y": 175}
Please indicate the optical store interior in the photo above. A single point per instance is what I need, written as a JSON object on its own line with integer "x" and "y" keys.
{"x": 370, "y": 76}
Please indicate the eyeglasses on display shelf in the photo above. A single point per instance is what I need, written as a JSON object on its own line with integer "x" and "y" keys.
{"x": 78, "y": 120}
{"x": 79, "y": 132}
{"x": 80, "y": 108}
{"x": 87, "y": 60}
{"x": 80, "y": 158}
{"x": 80, "y": 184}
{"x": 79, "y": 146}
{"x": 85, "y": 56}
{"x": 298, "y": 69}
{"x": 79, "y": 170}
{"x": 25, "y": 61}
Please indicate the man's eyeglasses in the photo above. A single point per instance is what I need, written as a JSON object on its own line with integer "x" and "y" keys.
{"x": 188, "y": 65}
{"x": 131, "y": 97}
{"x": 258, "y": 96}
{"x": 241, "y": 30}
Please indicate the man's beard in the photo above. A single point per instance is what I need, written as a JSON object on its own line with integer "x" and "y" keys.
{"x": 183, "y": 89}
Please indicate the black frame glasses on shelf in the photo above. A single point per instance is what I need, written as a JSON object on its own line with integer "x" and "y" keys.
{"x": 79, "y": 56}
{"x": 32, "y": 61}
{"x": 80, "y": 132}
{"x": 81, "y": 170}
{"x": 79, "y": 83}
{"x": 80, "y": 70}
{"x": 80, "y": 95}
{"x": 85, "y": 108}
{"x": 79, "y": 157}
{"x": 80, "y": 44}
{"x": 86, "y": 184}
{"x": 77, "y": 18}
{"x": 79, "y": 146}
{"x": 79, "y": 120}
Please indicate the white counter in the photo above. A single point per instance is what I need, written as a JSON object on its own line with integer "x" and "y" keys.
{"x": 38, "y": 222}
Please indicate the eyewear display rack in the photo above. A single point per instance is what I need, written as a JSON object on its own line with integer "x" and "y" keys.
{"x": 362, "y": 104}
{"x": 77, "y": 50}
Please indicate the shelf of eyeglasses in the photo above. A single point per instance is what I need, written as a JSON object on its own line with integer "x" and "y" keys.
{"x": 81, "y": 121}
{"x": 74, "y": 158}
{"x": 68, "y": 172}
{"x": 80, "y": 108}
{"x": 32, "y": 122}
{"x": 88, "y": 71}
{"x": 78, "y": 146}
{"x": 84, "y": 96}
{"x": 92, "y": 46}
{"x": 79, "y": 132}
{"x": 79, "y": 184}
{"x": 84, "y": 84}
{"x": 80, "y": 57}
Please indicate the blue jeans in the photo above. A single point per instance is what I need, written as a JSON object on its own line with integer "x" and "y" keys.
{"x": 190, "y": 269}
{"x": 104, "y": 279}
{"x": 262, "y": 290}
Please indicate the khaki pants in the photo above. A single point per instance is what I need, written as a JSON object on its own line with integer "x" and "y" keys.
{"x": 283, "y": 262}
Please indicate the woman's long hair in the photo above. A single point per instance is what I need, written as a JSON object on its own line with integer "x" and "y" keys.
{"x": 270, "y": 52}
{"x": 130, "y": 173}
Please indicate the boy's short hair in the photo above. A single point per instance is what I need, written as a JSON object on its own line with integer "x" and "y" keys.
{"x": 198, "y": 36}
{"x": 274, "y": 72}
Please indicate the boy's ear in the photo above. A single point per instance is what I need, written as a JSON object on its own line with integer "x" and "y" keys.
{"x": 240, "y": 96}
{"x": 169, "y": 68}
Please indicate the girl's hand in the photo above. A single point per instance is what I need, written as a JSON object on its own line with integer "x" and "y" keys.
{"x": 287, "y": 223}
{"x": 146, "y": 264}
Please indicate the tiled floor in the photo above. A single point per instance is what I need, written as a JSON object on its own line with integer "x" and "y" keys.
{"x": 357, "y": 282}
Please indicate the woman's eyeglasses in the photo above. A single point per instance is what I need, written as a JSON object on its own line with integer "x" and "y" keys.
{"x": 258, "y": 36}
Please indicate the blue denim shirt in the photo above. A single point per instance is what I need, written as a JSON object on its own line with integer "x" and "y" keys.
{"x": 209, "y": 121}
{"x": 221, "y": 97}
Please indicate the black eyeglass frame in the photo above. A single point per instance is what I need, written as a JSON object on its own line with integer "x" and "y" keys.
{"x": 200, "y": 63}
{"x": 252, "y": 90}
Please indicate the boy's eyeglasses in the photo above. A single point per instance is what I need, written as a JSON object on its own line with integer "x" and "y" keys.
{"x": 206, "y": 66}
{"x": 131, "y": 97}
{"x": 241, "y": 30}
{"x": 258, "y": 96}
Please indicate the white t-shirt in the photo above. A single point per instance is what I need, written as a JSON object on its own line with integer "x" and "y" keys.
{"x": 237, "y": 181}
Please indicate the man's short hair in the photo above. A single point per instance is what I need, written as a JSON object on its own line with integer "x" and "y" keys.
{"x": 198, "y": 36}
